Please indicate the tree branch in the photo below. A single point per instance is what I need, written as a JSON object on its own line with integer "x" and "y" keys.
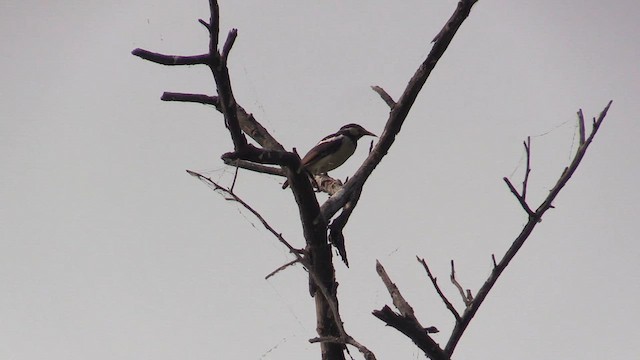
{"x": 406, "y": 322}
{"x": 230, "y": 195}
{"x": 400, "y": 111}
{"x": 525, "y": 182}
{"x": 171, "y": 60}
{"x": 327, "y": 295}
{"x": 194, "y": 98}
{"x": 466, "y": 298}
{"x": 498, "y": 268}
{"x": 434, "y": 281}
{"x": 280, "y": 268}
{"x": 520, "y": 198}
{"x": 385, "y": 96}
{"x": 259, "y": 168}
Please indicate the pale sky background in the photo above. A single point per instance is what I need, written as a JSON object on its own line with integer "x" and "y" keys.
{"x": 109, "y": 250}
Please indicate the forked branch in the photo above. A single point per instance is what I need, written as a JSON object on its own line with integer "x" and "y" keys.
{"x": 526, "y": 231}
{"x": 406, "y": 321}
{"x": 434, "y": 281}
{"x": 474, "y": 303}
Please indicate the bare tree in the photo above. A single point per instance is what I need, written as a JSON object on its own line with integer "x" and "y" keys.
{"x": 323, "y": 224}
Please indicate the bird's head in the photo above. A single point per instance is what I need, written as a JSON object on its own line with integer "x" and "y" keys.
{"x": 356, "y": 131}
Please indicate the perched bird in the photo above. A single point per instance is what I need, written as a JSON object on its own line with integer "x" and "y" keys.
{"x": 333, "y": 150}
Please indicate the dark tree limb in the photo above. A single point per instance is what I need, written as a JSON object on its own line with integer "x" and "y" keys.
{"x": 193, "y": 98}
{"x": 522, "y": 199}
{"x": 399, "y": 112}
{"x": 434, "y": 281}
{"x": 406, "y": 321}
{"x": 228, "y": 44}
{"x": 248, "y": 123}
{"x": 259, "y": 168}
{"x": 546, "y": 204}
{"x": 525, "y": 182}
{"x": 171, "y": 59}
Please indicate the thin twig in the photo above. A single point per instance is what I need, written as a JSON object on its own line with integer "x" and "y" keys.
{"x": 466, "y": 298}
{"x": 525, "y": 182}
{"x": 280, "y": 268}
{"x": 581, "y": 126}
{"x": 205, "y": 24}
{"x": 521, "y": 200}
{"x": 434, "y": 281}
{"x": 214, "y": 26}
{"x": 248, "y": 165}
{"x": 235, "y": 177}
{"x": 216, "y": 187}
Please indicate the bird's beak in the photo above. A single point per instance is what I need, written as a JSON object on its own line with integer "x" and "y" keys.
{"x": 367, "y": 132}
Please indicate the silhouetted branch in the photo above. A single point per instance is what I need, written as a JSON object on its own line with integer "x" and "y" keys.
{"x": 255, "y": 167}
{"x": 434, "y": 281}
{"x": 525, "y": 182}
{"x": 498, "y": 268}
{"x": 171, "y": 59}
{"x": 520, "y": 198}
{"x": 406, "y": 322}
{"x": 450, "y": 28}
{"x": 228, "y": 44}
{"x": 194, "y": 98}
{"x": 399, "y": 112}
{"x": 280, "y": 268}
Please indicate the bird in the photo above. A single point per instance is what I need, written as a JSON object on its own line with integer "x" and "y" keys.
{"x": 333, "y": 150}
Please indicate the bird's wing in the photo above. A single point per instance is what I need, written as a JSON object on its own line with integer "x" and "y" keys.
{"x": 328, "y": 145}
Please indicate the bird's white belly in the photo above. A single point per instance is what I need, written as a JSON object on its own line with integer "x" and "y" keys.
{"x": 331, "y": 162}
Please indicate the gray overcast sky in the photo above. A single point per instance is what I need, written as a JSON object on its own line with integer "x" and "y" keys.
{"x": 111, "y": 251}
